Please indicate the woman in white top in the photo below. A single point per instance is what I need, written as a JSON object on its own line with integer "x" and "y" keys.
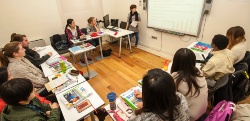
{"x": 237, "y": 42}
{"x": 190, "y": 82}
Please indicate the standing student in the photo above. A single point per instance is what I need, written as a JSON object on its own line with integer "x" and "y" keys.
{"x": 237, "y": 42}
{"x": 221, "y": 62}
{"x": 190, "y": 82}
{"x": 160, "y": 100}
{"x": 19, "y": 94}
{"x": 72, "y": 31}
{"x": 92, "y": 28}
{"x": 30, "y": 54}
{"x": 12, "y": 56}
{"x": 133, "y": 16}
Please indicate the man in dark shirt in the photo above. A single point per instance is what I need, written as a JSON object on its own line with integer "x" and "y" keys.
{"x": 31, "y": 54}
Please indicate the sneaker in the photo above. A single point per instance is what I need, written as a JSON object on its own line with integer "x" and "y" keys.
{"x": 82, "y": 61}
{"x": 89, "y": 59}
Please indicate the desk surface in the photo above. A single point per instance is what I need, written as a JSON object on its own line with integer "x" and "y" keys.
{"x": 46, "y": 70}
{"x": 72, "y": 114}
{"x": 121, "y": 32}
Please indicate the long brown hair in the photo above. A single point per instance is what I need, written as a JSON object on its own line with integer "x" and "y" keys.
{"x": 235, "y": 35}
{"x": 8, "y": 51}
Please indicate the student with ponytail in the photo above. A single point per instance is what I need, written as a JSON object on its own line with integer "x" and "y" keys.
{"x": 30, "y": 54}
{"x": 12, "y": 56}
{"x": 133, "y": 16}
{"x": 72, "y": 31}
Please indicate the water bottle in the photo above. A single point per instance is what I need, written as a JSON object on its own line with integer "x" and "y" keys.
{"x": 62, "y": 66}
{"x": 112, "y": 98}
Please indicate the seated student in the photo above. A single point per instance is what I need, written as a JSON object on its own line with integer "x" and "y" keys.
{"x": 30, "y": 54}
{"x": 220, "y": 63}
{"x": 72, "y": 31}
{"x": 190, "y": 82}
{"x": 5, "y": 76}
{"x": 19, "y": 94}
{"x": 161, "y": 102}
{"x": 92, "y": 28}
{"x": 12, "y": 56}
{"x": 237, "y": 42}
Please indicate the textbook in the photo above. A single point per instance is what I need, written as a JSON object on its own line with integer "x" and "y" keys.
{"x": 201, "y": 47}
{"x": 75, "y": 96}
{"x": 130, "y": 98}
{"x": 59, "y": 81}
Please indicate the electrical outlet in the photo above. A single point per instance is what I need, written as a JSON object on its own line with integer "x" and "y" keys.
{"x": 153, "y": 37}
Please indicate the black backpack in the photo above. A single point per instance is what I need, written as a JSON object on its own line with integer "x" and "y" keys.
{"x": 59, "y": 43}
{"x": 107, "y": 52}
{"x": 240, "y": 85}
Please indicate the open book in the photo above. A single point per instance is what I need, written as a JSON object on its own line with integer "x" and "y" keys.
{"x": 130, "y": 98}
{"x": 74, "y": 96}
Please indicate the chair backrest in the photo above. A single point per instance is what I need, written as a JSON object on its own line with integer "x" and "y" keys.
{"x": 84, "y": 30}
{"x": 220, "y": 83}
{"x": 240, "y": 85}
{"x": 114, "y": 22}
{"x": 123, "y": 25}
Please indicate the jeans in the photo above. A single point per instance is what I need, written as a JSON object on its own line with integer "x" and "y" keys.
{"x": 136, "y": 34}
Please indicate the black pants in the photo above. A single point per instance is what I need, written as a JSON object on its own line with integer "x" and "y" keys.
{"x": 94, "y": 42}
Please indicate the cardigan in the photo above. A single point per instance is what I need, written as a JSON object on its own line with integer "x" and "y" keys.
{"x": 25, "y": 69}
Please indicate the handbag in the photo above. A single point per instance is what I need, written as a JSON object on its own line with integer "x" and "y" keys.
{"x": 221, "y": 112}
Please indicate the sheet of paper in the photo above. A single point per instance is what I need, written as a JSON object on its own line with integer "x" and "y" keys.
{"x": 134, "y": 23}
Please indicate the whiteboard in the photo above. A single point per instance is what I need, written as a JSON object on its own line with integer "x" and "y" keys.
{"x": 183, "y": 16}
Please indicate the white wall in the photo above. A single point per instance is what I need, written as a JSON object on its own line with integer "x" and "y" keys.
{"x": 40, "y": 19}
{"x": 224, "y": 14}
{"x": 80, "y": 11}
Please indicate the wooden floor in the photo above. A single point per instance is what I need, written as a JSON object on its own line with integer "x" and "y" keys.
{"x": 120, "y": 74}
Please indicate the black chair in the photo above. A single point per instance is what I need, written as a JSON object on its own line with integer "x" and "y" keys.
{"x": 54, "y": 41}
{"x": 84, "y": 31}
{"x": 114, "y": 22}
{"x": 123, "y": 26}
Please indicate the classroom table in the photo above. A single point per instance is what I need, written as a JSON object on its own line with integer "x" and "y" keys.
{"x": 120, "y": 34}
{"x": 72, "y": 114}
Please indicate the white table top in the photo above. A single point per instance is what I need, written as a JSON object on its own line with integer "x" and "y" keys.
{"x": 88, "y": 37}
{"x": 46, "y": 70}
{"x": 86, "y": 49}
{"x": 72, "y": 114}
{"x": 121, "y": 32}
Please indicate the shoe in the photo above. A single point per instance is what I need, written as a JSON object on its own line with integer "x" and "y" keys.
{"x": 101, "y": 113}
{"x": 89, "y": 59}
{"x": 82, "y": 61}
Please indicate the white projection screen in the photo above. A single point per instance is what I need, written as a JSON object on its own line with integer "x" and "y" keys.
{"x": 183, "y": 16}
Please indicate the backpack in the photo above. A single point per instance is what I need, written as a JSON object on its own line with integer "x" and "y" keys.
{"x": 59, "y": 43}
{"x": 107, "y": 52}
{"x": 221, "y": 112}
{"x": 240, "y": 85}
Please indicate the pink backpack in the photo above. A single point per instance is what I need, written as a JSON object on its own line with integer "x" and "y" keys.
{"x": 221, "y": 112}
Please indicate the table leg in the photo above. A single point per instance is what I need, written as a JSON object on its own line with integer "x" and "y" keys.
{"x": 120, "y": 48}
{"x": 100, "y": 44}
{"x": 92, "y": 116}
{"x": 74, "y": 57}
{"x": 86, "y": 61}
{"x": 129, "y": 42}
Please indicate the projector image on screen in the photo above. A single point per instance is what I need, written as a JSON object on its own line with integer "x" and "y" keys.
{"x": 183, "y": 16}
